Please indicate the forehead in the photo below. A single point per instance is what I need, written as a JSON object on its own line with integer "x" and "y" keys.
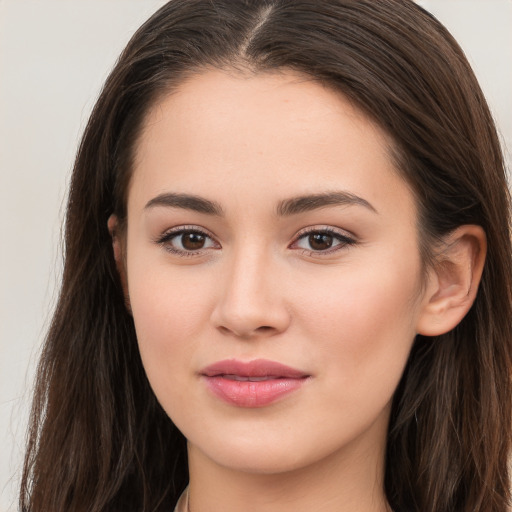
{"x": 216, "y": 101}
{"x": 271, "y": 135}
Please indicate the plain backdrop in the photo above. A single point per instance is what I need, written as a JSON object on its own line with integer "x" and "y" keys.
{"x": 54, "y": 56}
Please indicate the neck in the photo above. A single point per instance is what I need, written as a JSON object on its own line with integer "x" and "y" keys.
{"x": 349, "y": 481}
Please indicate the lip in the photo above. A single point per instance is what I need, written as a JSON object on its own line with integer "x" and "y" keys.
{"x": 254, "y": 383}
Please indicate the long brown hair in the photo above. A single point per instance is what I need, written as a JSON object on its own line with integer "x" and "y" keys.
{"x": 99, "y": 440}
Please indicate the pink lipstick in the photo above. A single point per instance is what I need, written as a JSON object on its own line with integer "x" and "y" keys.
{"x": 252, "y": 384}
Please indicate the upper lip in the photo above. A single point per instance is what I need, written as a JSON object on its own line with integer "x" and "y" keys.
{"x": 254, "y": 368}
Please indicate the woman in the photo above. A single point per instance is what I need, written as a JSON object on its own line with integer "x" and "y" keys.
{"x": 288, "y": 276}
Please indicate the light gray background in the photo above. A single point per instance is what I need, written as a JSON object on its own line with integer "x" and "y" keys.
{"x": 54, "y": 56}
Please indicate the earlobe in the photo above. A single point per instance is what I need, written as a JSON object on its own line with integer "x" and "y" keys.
{"x": 453, "y": 281}
{"x": 117, "y": 247}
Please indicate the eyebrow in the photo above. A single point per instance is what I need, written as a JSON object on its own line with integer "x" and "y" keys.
{"x": 306, "y": 203}
{"x": 186, "y": 202}
{"x": 285, "y": 208}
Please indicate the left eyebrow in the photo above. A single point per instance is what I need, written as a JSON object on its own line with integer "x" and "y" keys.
{"x": 302, "y": 204}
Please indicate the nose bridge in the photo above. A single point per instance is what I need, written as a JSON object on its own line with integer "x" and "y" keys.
{"x": 250, "y": 300}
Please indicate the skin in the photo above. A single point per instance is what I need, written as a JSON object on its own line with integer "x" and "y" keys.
{"x": 346, "y": 316}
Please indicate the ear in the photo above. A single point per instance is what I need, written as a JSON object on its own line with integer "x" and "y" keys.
{"x": 119, "y": 257}
{"x": 453, "y": 281}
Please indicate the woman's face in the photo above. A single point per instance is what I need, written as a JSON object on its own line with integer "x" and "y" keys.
{"x": 273, "y": 271}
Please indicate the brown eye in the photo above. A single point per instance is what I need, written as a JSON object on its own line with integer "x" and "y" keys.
{"x": 187, "y": 242}
{"x": 320, "y": 241}
{"x": 192, "y": 241}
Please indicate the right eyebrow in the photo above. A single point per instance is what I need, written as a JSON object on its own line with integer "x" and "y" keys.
{"x": 186, "y": 202}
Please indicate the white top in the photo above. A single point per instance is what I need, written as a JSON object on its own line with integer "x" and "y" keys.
{"x": 182, "y": 505}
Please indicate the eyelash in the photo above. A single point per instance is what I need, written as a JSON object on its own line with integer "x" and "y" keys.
{"x": 343, "y": 240}
{"x": 166, "y": 239}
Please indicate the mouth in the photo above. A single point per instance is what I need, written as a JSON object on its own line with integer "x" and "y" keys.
{"x": 255, "y": 383}
{"x": 242, "y": 378}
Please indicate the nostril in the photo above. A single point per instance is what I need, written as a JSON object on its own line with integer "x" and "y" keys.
{"x": 249, "y": 333}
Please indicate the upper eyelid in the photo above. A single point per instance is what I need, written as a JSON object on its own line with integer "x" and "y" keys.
{"x": 325, "y": 228}
{"x": 304, "y": 230}
{"x": 185, "y": 228}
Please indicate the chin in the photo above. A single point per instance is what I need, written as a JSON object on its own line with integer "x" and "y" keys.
{"x": 266, "y": 448}
{"x": 258, "y": 460}
{"x": 257, "y": 453}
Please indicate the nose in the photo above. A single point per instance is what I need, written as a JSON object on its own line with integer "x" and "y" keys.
{"x": 251, "y": 300}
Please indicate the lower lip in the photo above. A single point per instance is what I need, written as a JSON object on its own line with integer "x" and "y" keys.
{"x": 252, "y": 393}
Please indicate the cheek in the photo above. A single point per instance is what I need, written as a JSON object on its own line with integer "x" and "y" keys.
{"x": 169, "y": 311}
{"x": 364, "y": 326}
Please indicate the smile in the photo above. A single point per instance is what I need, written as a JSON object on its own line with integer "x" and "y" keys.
{"x": 252, "y": 384}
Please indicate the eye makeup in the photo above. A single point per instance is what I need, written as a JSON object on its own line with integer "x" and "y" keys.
{"x": 192, "y": 240}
